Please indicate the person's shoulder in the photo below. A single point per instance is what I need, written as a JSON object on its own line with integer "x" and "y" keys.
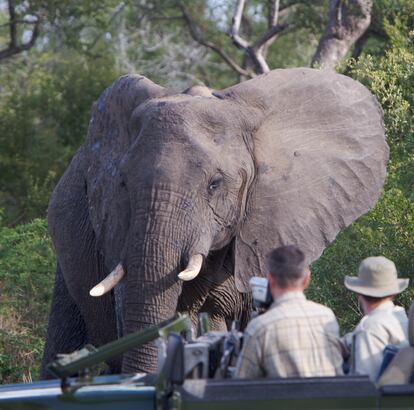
{"x": 384, "y": 312}
{"x": 317, "y": 307}
{"x": 385, "y": 320}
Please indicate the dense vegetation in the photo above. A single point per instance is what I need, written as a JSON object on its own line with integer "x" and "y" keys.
{"x": 47, "y": 92}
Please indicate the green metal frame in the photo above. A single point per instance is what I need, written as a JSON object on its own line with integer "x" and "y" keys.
{"x": 78, "y": 362}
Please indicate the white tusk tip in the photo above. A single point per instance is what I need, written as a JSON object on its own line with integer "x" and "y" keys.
{"x": 186, "y": 276}
{"x": 98, "y": 290}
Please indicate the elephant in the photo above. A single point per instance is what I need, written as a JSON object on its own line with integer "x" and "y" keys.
{"x": 174, "y": 199}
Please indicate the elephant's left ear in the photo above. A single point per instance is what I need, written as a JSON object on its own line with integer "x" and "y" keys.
{"x": 320, "y": 154}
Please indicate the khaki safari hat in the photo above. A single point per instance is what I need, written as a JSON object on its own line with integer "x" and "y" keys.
{"x": 377, "y": 277}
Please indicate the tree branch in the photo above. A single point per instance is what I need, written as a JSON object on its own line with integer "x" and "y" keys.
{"x": 269, "y": 35}
{"x": 273, "y": 13}
{"x": 235, "y": 28}
{"x": 13, "y": 47}
{"x": 254, "y": 52}
{"x": 18, "y": 22}
{"x": 199, "y": 38}
{"x": 359, "y": 45}
{"x": 13, "y": 25}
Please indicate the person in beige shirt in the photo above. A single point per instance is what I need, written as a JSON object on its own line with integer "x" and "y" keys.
{"x": 295, "y": 337}
{"x": 383, "y": 323}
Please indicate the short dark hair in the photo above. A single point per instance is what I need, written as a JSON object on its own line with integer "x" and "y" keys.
{"x": 287, "y": 265}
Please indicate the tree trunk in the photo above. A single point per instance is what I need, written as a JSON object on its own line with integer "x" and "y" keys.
{"x": 348, "y": 21}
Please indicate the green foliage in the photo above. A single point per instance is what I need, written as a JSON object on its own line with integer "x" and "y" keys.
{"x": 389, "y": 228}
{"x": 44, "y": 110}
{"x": 27, "y": 265}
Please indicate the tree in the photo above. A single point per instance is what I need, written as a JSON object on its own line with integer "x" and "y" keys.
{"x": 253, "y": 29}
{"x": 254, "y": 34}
{"x": 347, "y": 23}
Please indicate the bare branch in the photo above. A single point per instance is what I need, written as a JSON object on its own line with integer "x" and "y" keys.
{"x": 197, "y": 35}
{"x": 260, "y": 61}
{"x": 255, "y": 52}
{"x": 359, "y": 45}
{"x": 235, "y": 28}
{"x": 32, "y": 22}
{"x": 13, "y": 47}
{"x": 273, "y": 13}
{"x": 13, "y": 25}
{"x": 269, "y": 35}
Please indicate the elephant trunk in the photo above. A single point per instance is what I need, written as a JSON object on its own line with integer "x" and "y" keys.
{"x": 155, "y": 256}
{"x": 150, "y": 297}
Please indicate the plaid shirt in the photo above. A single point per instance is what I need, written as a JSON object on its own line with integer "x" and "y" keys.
{"x": 294, "y": 338}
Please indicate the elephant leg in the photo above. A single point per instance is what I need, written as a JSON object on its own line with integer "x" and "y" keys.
{"x": 225, "y": 303}
{"x": 216, "y": 294}
{"x": 66, "y": 329}
{"x": 84, "y": 268}
{"x": 192, "y": 298}
{"x": 81, "y": 262}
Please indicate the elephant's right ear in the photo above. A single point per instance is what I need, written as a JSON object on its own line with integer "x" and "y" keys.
{"x": 320, "y": 156}
{"x": 110, "y": 134}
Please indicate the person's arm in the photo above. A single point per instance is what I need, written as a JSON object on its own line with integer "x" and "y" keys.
{"x": 346, "y": 345}
{"x": 250, "y": 359}
{"x": 368, "y": 352}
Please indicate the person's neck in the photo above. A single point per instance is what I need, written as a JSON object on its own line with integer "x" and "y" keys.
{"x": 368, "y": 307}
{"x": 278, "y": 292}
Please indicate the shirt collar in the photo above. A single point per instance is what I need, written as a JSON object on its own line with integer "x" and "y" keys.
{"x": 288, "y": 297}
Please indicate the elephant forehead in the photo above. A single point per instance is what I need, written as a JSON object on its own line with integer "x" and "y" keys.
{"x": 192, "y": 114}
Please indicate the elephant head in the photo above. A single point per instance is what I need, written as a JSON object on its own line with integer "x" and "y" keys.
{"x": 182, "y": 186}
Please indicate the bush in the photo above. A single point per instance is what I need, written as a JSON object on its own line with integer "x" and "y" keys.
{"x": 27, "y": 265}
{"x": 44, "y": 111}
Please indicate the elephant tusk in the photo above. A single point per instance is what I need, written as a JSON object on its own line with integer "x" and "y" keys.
{"x": 109, "y": 282}
{"x": 193, "y": 268}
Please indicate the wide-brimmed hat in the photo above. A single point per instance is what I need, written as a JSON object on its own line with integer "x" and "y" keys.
{"x": 377, "y": 277}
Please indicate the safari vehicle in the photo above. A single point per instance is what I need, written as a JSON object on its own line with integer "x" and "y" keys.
{"x": 194, "y": 375}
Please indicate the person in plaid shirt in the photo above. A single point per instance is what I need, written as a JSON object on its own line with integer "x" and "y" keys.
{"x": 295, "y": 337}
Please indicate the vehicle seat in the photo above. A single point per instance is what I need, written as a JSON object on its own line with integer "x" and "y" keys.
{"x": 401, "y": 368}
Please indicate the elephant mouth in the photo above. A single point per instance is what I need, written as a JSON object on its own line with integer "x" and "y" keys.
{"x": 192, "y": 270}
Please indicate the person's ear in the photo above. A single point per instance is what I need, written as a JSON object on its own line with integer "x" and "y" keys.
{"x": 306, "y": 279}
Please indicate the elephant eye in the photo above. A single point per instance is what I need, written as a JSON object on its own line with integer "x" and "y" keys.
{"x": 215, "y": 183}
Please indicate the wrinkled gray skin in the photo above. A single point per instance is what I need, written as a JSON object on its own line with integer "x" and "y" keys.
{"x": 290, "y": 157}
